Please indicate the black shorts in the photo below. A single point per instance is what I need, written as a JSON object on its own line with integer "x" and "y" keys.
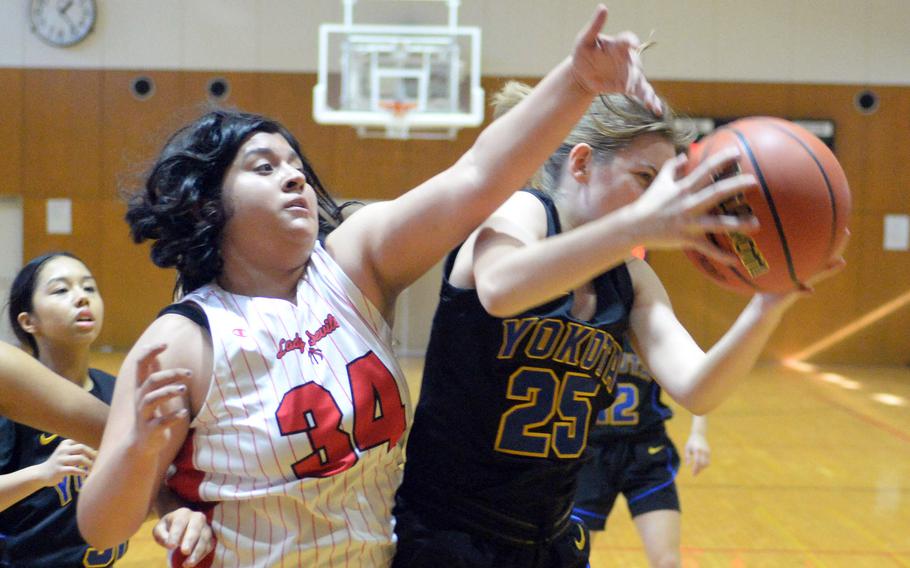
{"x": 428, "y": 539}
{"x": 643, "y": 469}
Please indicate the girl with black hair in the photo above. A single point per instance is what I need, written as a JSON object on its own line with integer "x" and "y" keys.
{"x": 56, "y": 312}
{"x": 292, "y": 430}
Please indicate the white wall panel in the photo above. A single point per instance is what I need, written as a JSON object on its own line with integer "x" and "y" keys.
{"x": 828, "y": 41}
{"x": 686, "y": 36}
{"x": 221, "y": 34}
{"x": 886, "y": 38}
{"x": 141, "y": 34}
{"x": 13, "y": 29}
{"x": 290, "y": 32}
{"x": 753, "y": 36}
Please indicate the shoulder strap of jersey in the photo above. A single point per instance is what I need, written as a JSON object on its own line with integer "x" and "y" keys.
{"x": 189, "y": 310}
{"x": 553, "y": 226}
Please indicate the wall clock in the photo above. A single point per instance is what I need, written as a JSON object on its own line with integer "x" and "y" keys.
{"x": 62, "y": 23}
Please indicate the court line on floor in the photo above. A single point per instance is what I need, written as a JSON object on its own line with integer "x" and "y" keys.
{"x": 872, "y": 421}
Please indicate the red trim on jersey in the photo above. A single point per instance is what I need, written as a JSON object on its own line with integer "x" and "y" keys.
{"x": 186, "y": 480}
{"x": 185, "y": 483}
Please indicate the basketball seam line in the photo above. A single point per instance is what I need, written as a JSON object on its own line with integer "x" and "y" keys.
{"x": 821, "y": 169}
{"x": 777, "y": 222}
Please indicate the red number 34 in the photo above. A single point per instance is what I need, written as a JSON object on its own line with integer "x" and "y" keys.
{"x": 379, "y": 418}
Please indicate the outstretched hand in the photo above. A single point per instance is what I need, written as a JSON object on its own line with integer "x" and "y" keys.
{"x": 607, "y": 64}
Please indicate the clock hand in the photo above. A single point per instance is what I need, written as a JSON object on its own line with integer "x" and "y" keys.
{"x": 63, "y": 9}
{"x": 69, "y": 21}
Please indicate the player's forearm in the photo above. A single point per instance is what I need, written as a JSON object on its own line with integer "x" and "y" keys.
{"x": 32, "y": 394}
{"x": 541, "y": 271}
{"x": 117, "y": 496}
{"x": 511, "y": 148}
{"x": 699, "y": 425}
{"x": 20, "y": 484}
{"x": 728, "y": 362}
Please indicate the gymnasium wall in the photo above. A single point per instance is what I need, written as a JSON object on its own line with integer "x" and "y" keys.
{"x": 81, "y": 134}
{"x": 69, "y": 126}
{"x": 817, "y": 41}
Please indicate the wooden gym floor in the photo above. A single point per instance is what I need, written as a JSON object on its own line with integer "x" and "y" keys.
{"x": 809, "y": 469}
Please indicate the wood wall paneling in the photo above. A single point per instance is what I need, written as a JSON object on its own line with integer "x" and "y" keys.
{"x": 11, "y": 117}
{"x": 134, "y": 289}
{"x": 84, "y": 241}
{"x": 81, "y": 134}
{"x": 62, "y": 133}
{"x": 134, "y": 129}
{"x": 133, "y": 132}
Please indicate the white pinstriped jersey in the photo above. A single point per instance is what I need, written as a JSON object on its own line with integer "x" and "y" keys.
{"x": 297, "y": 450}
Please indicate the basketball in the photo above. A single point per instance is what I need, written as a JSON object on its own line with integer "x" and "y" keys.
{"x": 802, "y": 203}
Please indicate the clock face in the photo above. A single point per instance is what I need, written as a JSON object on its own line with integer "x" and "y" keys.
{"x": 62, "y": 22}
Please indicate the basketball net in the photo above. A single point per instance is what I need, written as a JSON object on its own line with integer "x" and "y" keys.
{"x": 398, "y": 127}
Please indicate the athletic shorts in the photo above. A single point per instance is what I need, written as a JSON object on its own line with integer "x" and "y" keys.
{"x": 643, "y": 469}
{"x": 429, "y": 540}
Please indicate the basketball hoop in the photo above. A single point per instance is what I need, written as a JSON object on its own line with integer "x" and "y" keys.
{"x": 398, "y": 127}
{"x": 400, "y": 81}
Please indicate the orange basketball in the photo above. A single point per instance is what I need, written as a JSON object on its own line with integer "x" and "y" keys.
{"x": 802, "y": 203}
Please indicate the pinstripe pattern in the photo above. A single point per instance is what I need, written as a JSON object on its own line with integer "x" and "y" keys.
{"x": 236, "y": 456}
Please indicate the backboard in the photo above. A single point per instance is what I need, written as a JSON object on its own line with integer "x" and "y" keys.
{"x": 399, "y": 80}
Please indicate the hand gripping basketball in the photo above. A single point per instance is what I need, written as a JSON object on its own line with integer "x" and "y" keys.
{"x": 676, "y": 211}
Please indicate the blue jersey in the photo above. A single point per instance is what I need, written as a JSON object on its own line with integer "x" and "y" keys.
{"x": 40, "y": 530}
{"x": 638, "y": 408}
{"x": 506, "y": 404}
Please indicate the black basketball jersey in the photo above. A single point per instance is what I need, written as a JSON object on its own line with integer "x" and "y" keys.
{"x": 638, "y": 408}
{"x": 40, "y": 530}
{"x": 506, "y": 404}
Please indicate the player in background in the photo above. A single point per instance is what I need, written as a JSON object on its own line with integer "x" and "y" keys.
{"x": 56, "y": 312}
{"x": 630, "y": 453}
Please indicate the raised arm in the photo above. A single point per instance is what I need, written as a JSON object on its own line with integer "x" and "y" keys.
{"x": 386, "y": 246}
{"x": 32, "y": 394}
{"x": 698, "y": 380}
{"x": 515, "y": 268}
{"x": 149, "y": 421}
